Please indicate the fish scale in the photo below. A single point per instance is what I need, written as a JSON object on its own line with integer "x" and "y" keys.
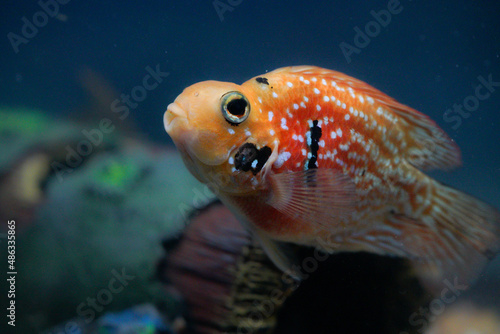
{"x": 313, "y": 157}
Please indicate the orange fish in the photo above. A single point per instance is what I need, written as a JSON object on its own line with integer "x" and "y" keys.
{"x": 310, "y": 156}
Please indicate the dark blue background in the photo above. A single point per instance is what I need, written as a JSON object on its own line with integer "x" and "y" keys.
{"x": 428, "y": 57}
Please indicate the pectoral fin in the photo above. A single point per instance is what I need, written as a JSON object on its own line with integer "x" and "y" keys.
{"x": 316, "y": 196}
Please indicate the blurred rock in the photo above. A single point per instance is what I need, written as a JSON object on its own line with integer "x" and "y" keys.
{"x": 105, "y": 219}
{"x": 84, "y": 219}
{"x": 141, "y": 319}
{"x": 228, "y": 283}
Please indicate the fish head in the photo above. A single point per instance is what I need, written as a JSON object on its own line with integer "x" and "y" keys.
{"x": 221, "y": 135}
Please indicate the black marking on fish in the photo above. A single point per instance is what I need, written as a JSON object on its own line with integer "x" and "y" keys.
{"x": 249, "y": 158}
{"x": 262, "y": 80}
{"x": 264, "y": 154}
{"x": 246, "y": 154}
{"x": 314, "y": 147}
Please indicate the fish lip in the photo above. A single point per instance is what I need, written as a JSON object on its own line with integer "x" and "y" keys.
{"x": 174, "y": 112}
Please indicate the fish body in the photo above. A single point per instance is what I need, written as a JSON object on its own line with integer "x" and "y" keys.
{"x": 310, "y": 156}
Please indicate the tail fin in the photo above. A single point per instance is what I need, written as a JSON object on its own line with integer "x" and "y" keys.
{"x": 464, "y": 235}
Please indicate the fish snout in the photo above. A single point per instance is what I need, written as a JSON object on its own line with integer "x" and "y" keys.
{"x": 173, "y": 115}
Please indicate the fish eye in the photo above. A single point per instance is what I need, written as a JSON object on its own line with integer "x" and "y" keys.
{"x": 235, "y": 107}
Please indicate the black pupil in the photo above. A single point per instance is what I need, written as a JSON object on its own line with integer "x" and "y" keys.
{"x": 237, "y": 107}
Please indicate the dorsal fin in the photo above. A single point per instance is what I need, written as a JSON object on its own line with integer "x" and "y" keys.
{"x": 429, "y": 147}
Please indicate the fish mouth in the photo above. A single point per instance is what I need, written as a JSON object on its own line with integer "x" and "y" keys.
{"x": 173, "y": 116}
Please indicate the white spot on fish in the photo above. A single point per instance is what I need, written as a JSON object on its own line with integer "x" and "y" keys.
{"x": 294, "y": 137}
{"x": 316, "y": 90}
{"x": 283, "y": 124}
{"x": 271, "y": 132}
{"x": 302, "y": 104}
{"x": 361, "y": 99}
{"x": 271, "y": 114}
{"x": 334, "y": 83}
{"x": 289, "y": 84}
{"x": 333, "y": 135}
{"x": 343, "y": 106}
{"x": 295, "y": 106}
{"x": 275, "y": 95}
{"x": 254, "y": 163}
{"x": 323, "y": 81}
{"x": 247, "y": 133}
{"x": 306, "y": 82}
{"x": 380, "y": 111}
{"x": 260, "y": 99}
{"x": 318, "y": 107}
{"x": 338, "y": 103}
{"x": 301, "y": 139}
{"x": 304, "y": 152}
{"x": 301, "y": 78}
{"x": 355, "y": 112}
{"x": 306, "y": 99}
{"x": 339, "y": 132}
{"x": 314, "y": 79}
{"x": 325, "y": 119}
{"x": 282, "y": 158}
{"x": 369, "y": 99}
{"x": 321, "y": 143}
{"x": 344, "y": 147}
{"x": 231, "y": 131}
{"x": 346, "y": 117}
{"x": 231, "y": 160}
{"x": 308, "y": 137}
